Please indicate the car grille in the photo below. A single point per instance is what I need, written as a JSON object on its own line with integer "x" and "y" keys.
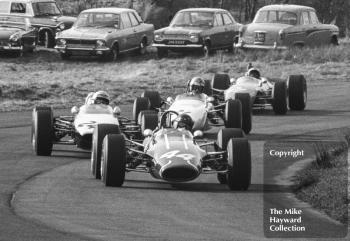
{"x": 3, "y": 42}
{"x": 176, "y": 36}
{"x": 76, "y": 43}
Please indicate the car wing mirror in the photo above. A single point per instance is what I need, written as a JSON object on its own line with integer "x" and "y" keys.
{"x": 74, "y": 110}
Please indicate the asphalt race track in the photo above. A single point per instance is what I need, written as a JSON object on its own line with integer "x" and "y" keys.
{"x": 56, "y": 198}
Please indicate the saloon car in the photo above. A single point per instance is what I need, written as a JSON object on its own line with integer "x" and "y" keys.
{"x": 284, "y": 26}
{"x": 205, "y": 112}
{"x": 105, "y": 32}
{"x": 203, "y": 29}
{"x": 44, "y": 15}
{"x": 16, "y": 34}
{"x": 265, "y": 92}
{"x": 177, "y": 155}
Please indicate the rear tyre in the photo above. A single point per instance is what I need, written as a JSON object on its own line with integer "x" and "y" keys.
{"x": 154, "y": 98}
{"x": 221, "y": 81}
{"x": 42, "y": 131}
{"x": 224, "y": 135}
{"x": 239, "y": 164}
{"x": 244, "y": 98}
{"x": 233, "y": 114}
{"x": 206, "y": 49}
{"x": 49, "y": 40}
{"x": 279, "y": 102}
{"x": 162, "y": 53}
{"x": 113, "y": 160}
{"x": 149, "y": 121}
{"x": 140, "y": 104}
{"x": 297, "y": 91}
{"x": 99, "y": 133}
{"x": 143, "y": 47}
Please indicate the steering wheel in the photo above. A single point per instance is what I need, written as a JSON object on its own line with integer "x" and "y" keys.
{"x": 165, "y": 120}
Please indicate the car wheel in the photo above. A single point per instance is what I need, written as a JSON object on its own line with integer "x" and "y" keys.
{"x": 18, "y": 54}
{"x": 99, "y": 133}
{"x": 239, "y": 164}
{"x": 154, "y": 98}
{"x": 233, "y": 114}
{"x": 162, "y": 53}
{"x": 143, "y": 47}
{"x": 113, "y": 55}
{"x": 42, "y": 131}
{"x": 140, "y": 104}
{"x": 149, "y": 121}
{"x": 206, "y": 49}
{"x": 222, "y": 178}
{"x": 65, "y": 56}
{"x": 245, "y": 100}
{"x": 221, "y": 81}
{"x": 297, "y": 90}
{"x": 226, "y": 134}
{"x": 113, "y": 160}
{"x": 49, "y": 40}
{"x": 279, "y": 102}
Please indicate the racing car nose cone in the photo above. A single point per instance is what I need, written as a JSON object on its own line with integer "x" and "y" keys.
{"x": 180, "y": 173}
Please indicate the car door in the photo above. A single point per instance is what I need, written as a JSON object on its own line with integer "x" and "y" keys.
{"x": 320, "y": 33}
{"x": 137, "y": 28}
{"x": 127, "y": 36}
{"x": 296, "y": 35}
{"x": 217, "y": 35}
{"x": 231, "y": 29}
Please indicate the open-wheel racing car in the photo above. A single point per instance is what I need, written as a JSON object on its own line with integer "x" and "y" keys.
{"x": 203, "y": 109}
{"x": 264, "y": 92}
{"x": 176, "y": 155}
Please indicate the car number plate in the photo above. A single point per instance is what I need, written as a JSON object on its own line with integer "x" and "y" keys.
{"x": 260, "y": 37}
{"x": 176, "y": 42}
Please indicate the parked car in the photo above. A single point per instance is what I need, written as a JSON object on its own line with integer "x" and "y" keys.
{"x": 16, "y": 34}
{"x": 205, "y": 29}
{"x": 43, "y": 14}
{"x": 105, "y": 32}
{"x": 283, "y": 26}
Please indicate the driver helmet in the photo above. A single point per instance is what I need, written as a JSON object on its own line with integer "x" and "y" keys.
{"x": 196, "y": 85}
{"x": 254, "y": 72}
{"x": 184, "y": 121}
{"x": 101, "y": 97}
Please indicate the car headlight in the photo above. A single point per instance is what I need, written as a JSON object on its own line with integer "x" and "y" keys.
{"x": 61, "y": 41}
{"x": 100, "y": 43}
{"x": 194, "y": 38}
{"x": 158, "y": 37}
{"x": 62, "y": 26}
{"x": 14, "y": 37}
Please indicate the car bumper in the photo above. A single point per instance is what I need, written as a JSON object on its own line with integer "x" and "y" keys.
{"x": 187, "y": 46}
{"x": 263, "y": 47}
{"x": 11, "y": 48}
{"x": 87, "y": 49}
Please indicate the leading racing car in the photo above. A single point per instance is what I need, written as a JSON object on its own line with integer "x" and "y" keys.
{"x": 172, "y": 153}
{"x": 264, "y": 92}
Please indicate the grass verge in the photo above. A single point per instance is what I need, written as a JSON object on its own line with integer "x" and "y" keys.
{"x": 324, "y": 183}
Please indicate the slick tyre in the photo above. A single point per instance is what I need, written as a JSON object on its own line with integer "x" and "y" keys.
{"x": 140, "y": 104}
{"x": 221, "y": 81}
{"x": 113, "y": 160}
{"x": 239, "y": 164}
{"x": 279, "y": 102}
{"x": 297, "y": 91}
{"x": 154, "y": 98}
{"x": 226, "y": 134}
{"x": 149, "y": 121}
{"x": 98, "y": 135}
{"x": 233, "y": 114}
{"x": 42, "y": 131}
{"x": 245, "y": 100}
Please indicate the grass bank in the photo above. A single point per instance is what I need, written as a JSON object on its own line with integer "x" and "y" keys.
{"x": 42, "y": 78}
{"x": 324, "y": 183}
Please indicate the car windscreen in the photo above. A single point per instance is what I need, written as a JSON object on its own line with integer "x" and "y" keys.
{"x": 46, "y": 9}
{"x": 98, "y": 20}
{"x": 4, "y": 7}
{"x": 197, "y": 19}
{"x": 12, "y": 21}
{"x": 273, "y": 16}
{"x": 96, "y": 109}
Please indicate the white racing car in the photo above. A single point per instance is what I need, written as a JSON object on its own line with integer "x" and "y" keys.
{"x": 264, "y": 92}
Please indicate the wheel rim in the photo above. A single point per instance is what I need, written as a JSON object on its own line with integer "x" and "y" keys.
{"x": 114, "y": 54}
{"x": 33, "y": 141}
{"x": 92, "y": 161}
{"x": 206, "y": 50}
{"x": 102, "y": 169}
{"x": 305, "y": 97}
{"x": 142, "y": 48}
{"x": 46, "y": 40}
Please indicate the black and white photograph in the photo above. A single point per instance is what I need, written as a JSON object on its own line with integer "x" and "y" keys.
{"x": 174, "y": 120}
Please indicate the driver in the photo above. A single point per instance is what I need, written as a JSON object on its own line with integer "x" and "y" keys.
{"x": 98, "y": 98}
{"x": 253, "y": 72}
{"x": 183, "y": 121}
{"x": 196, "y": 86}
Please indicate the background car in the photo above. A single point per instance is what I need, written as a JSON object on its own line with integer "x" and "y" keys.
{"x": 105, "y": 32}
{"x": 283, "y": 26}
{"x": 205, "y": 29}
{"x": 16, "y": 34}
{"x": 43, "y": 14}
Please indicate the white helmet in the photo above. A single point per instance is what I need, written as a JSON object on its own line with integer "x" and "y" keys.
{"x": 196, "y": 85}
{"x": 101, "y": 97}
{"x": 254, "y": 72}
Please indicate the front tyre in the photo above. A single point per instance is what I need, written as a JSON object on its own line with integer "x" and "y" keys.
{"x": 98, "y": 135}
{"x": 221, "y": 81}
{"x": 113, "y": 160}
{"x": 140, "y": 104}
{"x": 239, "y": 164}
{"x": 112, "y": 55}
{"x": 279, "y": 102}
{"x": 42, "y": 131}
{"x": 245, "y": 100}
{"x": 297, "y": 91}
{"x": 233, "y": 114}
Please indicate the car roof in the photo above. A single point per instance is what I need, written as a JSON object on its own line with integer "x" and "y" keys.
{"x": 203, "y": 10}
{"x": 286, "y": 7}
{"x": 108, "y": 10}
